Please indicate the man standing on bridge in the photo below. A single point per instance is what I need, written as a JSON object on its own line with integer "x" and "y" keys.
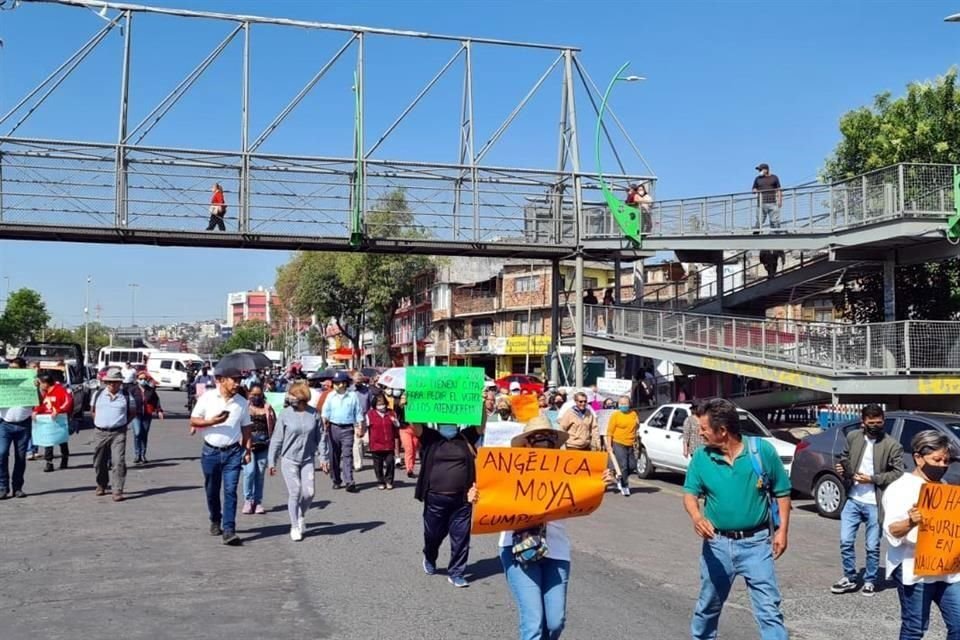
{"x": 343, "y": 420}
{"x": 769, "y": 197}
{"x": 736, "y": 521}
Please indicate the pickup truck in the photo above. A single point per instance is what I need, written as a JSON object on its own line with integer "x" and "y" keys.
{"x": 66, "y": 361}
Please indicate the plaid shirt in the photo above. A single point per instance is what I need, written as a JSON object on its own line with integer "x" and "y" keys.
{"x": 691, "y": 434}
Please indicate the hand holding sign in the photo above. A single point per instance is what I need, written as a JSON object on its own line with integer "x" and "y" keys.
{"x": 522, "y": 488}
{"x": 938, "y": 539}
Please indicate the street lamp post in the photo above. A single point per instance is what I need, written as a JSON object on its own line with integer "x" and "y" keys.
{"x": 133, "y": 304}
{"x": 86, "y": 322}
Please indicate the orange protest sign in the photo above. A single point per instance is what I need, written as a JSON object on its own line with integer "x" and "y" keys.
{"x": 522, "y": 487}
{"x": 938, "y": 538}
{"x": 525, "y": 407}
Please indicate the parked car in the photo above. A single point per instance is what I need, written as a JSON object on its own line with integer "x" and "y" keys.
{"x": 65, "y": 360}
{"x": 660, "y": 441}
{"x": 528, "y": 383}
{"x": 815, "y": 457}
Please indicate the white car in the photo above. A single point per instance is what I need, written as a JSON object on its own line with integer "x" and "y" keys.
{"x": 661, "y": 439}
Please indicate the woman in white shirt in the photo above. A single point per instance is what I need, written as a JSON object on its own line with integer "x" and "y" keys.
{"x": 901, "y": 521}
{"x": 538, "y": 586}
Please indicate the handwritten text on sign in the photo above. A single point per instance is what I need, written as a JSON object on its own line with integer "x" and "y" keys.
{"x": 938, "y": 538}
{"x": 445, "y": 395}
{"x": 522, "y": 488}
{"x": 18, "y": 388}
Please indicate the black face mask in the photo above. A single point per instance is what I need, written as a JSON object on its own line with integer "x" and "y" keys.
{"x": 933, "y": 473}
{"x": 504, "y": 413}
{"x": 874, "y": 432}
{"x": 257, "y": 401}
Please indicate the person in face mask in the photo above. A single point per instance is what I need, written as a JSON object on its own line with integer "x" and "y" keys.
{"x": 504, "y": 410}
{"x": 263, "y": 421}
{"x": 148, "y": 405}
{"x": 447, "y": 471}
{"x": 621, "y": 442}
{"x": 384, "y": 430}
{"x": 869, "y": 462}
{"x": 901, "y": 522}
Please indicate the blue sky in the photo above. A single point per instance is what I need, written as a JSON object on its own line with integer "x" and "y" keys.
{"x": 730, "y": 84}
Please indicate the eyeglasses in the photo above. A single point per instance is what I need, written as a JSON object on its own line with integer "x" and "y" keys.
{"x": 581, "y": 402}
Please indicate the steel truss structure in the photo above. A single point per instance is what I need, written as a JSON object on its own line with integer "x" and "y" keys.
{"x": 127, "y": 191}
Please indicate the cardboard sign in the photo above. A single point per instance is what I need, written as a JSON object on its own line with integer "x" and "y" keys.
{"x": 525, "y": 407}
{"x": 499, "y": 434}
{"x": 275, "y": 400}
{"x": 49, "y": 431}
{"x": 18, "y": 388}
{"x": 523, "y": 487}
{"x": 445, "y": 395}
{"x": 938, "y": 538}
{"x": 603, "y": 419}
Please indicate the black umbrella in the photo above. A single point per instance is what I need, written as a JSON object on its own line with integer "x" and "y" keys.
{"x": 244, "y": 360}
{"x": 369, "y": 372}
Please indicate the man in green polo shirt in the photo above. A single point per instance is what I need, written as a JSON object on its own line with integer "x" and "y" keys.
{"x": 734, "y": 523}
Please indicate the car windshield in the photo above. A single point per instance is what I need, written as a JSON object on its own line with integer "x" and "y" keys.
{"x": 750, "y": 426}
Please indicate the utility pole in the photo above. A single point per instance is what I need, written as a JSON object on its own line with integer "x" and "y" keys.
{"x": 86, "y": 322}
{"x": 133, "y": 304}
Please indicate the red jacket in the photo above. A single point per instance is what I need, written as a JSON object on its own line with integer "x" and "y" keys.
{"x": 383, "y": 430}
{"x": 58, "y": 399}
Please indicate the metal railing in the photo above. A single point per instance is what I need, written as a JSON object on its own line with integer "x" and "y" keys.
{"x": 902, "y": 190}
{"x": 104, "y": 186}
{"x": 884, "y": 348}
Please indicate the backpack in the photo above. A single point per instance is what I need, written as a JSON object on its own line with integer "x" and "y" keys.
{"x": 765, "y": 482}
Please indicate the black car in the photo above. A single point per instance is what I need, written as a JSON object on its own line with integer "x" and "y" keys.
{"x": 813, "y": 463}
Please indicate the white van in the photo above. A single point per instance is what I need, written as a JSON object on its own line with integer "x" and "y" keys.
{"x": 170, "y": 369}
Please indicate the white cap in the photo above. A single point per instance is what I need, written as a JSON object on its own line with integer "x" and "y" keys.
{"x": 514, "y": 385}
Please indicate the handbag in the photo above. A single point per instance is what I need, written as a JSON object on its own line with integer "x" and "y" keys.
{"x": 530, "y": 545}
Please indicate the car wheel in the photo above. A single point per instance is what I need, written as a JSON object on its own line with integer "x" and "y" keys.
{"x": 644, "y": 466}
{"x": 183, "y": 386}
{"x": 829, "y": 495}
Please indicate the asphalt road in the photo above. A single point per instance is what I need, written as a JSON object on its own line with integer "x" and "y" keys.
{"x": 75, "y": 566}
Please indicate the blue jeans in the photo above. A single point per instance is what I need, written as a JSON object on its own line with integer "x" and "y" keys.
{"x": 15, "y": 434}
{"x": 253, "y": 476}
{"x": 222, "y": 467}
{"x": 915, "y": 600}
{"x": 540, "y": 591}
{"x": 852, "y": 515}
{"x": 141, "y": 431}
{"x": 721, "y": 561}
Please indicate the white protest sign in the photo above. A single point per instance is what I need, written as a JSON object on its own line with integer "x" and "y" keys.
{"x": 614, "y": 387}
{"x": 499, "y": 434}
{"x": 603, "y": 418}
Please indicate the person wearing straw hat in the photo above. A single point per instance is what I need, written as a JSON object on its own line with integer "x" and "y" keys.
{"x": 538, "y": 587}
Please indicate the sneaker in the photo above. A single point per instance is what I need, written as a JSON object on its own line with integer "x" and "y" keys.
{"x": 352, "y": 488}
{"x": 247, "y": 507}
{"x": 844, "y": 585}
{"x": 296, "y": 534}
{"x": 389, "y": 486}
{"x": 381, "y": 487}
{"x": 458, "y": 581}
{"x": 215, "y": 529}
{"x": 868, "y": 590}
{"x": 337, "y": 485}
{"x": 19, "y": 494}
{"x": 118, "y": 497}
{"x": 301, "y": 524}
{"x": 429, "y": 568}
{"x": 259, "y": 510}
{"x": 231, "y": 539}
{"x": 47, "y": 468}
{"x": 625, "y": 491}
{"x": 138, "y": 461}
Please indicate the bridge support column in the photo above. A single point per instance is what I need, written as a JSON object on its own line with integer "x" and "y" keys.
{"x": 555, "y": 319}
{"x": 720, "y": 283}
{"x": 578, "y": 324}
{"x": 616, "y": 280}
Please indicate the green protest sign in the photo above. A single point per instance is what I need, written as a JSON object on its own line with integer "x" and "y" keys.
{"x": 445, "y": 395}
{"x": 18, "y": 388}
{"x": 275, "y": 400}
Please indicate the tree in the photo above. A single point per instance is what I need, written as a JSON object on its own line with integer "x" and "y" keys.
{"x": 357, "y": 289}
{"x": 253, "y": 334}
{"x": 24, "y": 315}
{"x": 921, "y": 126}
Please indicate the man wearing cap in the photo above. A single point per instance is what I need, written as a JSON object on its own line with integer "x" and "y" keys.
{"x": 222, "y": 416}
{"x": 343, "y": 421}
{"x": 515, "y": 389}
{"x": 112, "y": 410}
{"x": 769, "y": 197}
